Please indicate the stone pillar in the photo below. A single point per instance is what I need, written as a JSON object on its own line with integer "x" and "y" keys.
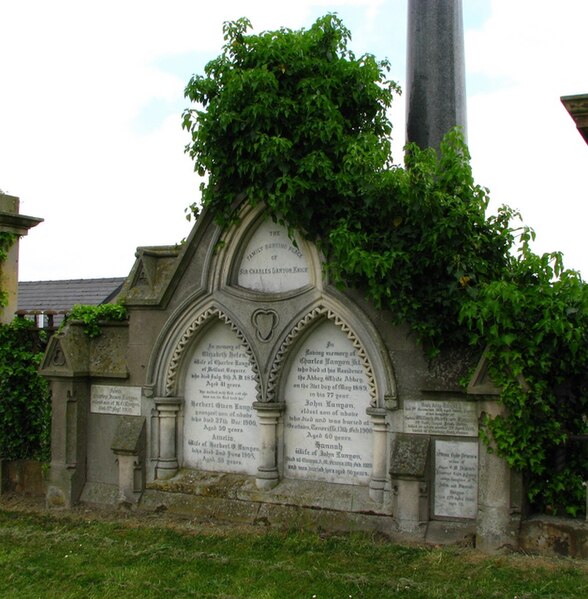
{"x": 11, "y": 223}
{"x": 410, "y": 489}
{"x": 435, "y": 77}
{"x": 70, "y": 399}
{"x": 498, "y": 519}
{"x": 379, "y": 453}
{"x": 268, "y": 414}
{"x": 129, "y": 448}
{"x": 167, "y": 459}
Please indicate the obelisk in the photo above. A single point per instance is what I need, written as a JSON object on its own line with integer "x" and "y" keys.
{"x": 435, "y": 78}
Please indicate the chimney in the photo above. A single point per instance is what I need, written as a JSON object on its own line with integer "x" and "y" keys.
{"x": 435, "y": 77}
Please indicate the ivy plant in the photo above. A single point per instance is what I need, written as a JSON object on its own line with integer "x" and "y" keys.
{"x": 25, "y": 404}
{"x": 295, "y": 120}
{"x": 288, "y": 117}
{"x": 92, "y": 317}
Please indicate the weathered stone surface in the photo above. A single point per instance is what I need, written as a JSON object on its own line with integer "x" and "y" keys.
{"x": 128, "y": 434}
{"x": 410, "y": 454}
{"x": 555, "y": 536}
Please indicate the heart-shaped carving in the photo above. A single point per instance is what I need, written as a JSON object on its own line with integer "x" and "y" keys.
{"x": 265, "y": 322}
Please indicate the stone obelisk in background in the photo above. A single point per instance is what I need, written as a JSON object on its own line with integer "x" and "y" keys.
{"x": 435, "y": 77}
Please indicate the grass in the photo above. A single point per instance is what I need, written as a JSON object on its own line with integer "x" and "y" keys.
{"x": 42, "y": 555}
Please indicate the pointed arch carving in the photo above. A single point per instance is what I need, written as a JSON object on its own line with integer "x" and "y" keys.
{"x": 171, "y": 377}
{"x": 320, "y": 312}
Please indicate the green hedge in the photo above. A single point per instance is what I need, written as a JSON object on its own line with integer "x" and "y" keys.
{"x": 25, "y": 403}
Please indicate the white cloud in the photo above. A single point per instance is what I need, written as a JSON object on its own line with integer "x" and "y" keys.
{"x": 524, "y": 144}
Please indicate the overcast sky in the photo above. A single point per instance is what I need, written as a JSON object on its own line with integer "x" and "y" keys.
{"x": 92, "y": 95}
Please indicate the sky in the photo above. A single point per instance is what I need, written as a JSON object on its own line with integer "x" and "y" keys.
{"x": 91, "y": 97}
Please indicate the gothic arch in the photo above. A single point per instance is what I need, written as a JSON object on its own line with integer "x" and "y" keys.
{"x": 379, "y": 390}
{"x": 185, "y": 340}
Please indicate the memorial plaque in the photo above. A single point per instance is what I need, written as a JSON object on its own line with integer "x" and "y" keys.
{"x": 456, "y": 418}
{"x": 327, "y": 433}
{"x": 456, "y": 479}
{"x": 272, "y": 263}
{"x": 220, "y": 425}
{"x": 112, "y": 399}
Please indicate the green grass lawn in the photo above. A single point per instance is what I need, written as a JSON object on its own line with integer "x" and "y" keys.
{"x": 43, "y": 555}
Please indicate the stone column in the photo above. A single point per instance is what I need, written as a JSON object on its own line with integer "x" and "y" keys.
{"x": 435, "y": 71}
{"x": 167, "y": 459}
{"x": 70, "y": 399}
{"x": 268, "y": 414}
{"x": 128, "y": 446}
{"x": 409, "y": 465}
{"x": 498, "y": 522}
{"x": 379, "y": 453}
{"x": 16, "y": 224}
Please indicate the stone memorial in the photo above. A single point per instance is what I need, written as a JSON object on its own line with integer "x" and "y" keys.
{"x": 456, "y": 479}
{"x": 247, "y": 378}
{"x": 246, "y": 386}
{"x": 220, "y": 425}
{"x": 272, "y": 262}
{"x": 438, "y": 417}
{"x": 327, "y": 430}
{"x": 113, "y": 399}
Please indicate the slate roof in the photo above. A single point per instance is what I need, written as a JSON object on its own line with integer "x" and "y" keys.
{"x": 60, "y": 296}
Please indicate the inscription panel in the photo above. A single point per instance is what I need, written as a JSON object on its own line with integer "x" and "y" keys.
{"x": 113, "y": 399}
{"x": 220, "y": 425}
{"x": 328, "y": 435}
{"x": 456, "y": 479}
{"x": 272, "y": 263}
{"x": 456, "y": 418}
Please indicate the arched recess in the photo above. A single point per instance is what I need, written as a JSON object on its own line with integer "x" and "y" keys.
{"x": 169, "y": 369}
{"x": 258, "y": 241}
{"x": 335, "y": 381}
{"x": 172, "y": 385}
{"x": 363, "y": 337}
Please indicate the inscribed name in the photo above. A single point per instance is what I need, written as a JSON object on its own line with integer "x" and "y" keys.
{"x": 456, "y": 418}
{"x": 220, "y": 425}
{"x": 327, "y": 433}
{"x": 456, "y": 479}
{"x": 109, "y": 399}
{"x": 272, "y": 263}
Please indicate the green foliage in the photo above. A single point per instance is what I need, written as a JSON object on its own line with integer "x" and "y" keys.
{"x": 534, "y": 323}
{"x": 294, "y": 120}
{"x": 287, "y": 117}
{"x": 93, "y": 316}
{"x": 25, "y": 406}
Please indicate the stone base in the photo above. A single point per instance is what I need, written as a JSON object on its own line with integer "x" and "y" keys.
{"x": 23, "y": 477}
{"x": 555, "y": 536}
{"x": 451, "y": 533}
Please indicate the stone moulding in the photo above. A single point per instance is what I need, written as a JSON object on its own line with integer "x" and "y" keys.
{"x": 319, "y": 312}
{"x": 171, "y": 378}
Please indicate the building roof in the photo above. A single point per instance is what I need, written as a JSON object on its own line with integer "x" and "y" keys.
{"x": 577, "y": 106}
{"x": 60, "y": 296}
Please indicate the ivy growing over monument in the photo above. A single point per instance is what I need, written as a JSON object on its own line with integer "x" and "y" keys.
{"x": 296, "y": 121}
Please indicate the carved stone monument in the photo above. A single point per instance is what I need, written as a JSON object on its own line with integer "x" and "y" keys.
{"x": 246, "y": 386}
